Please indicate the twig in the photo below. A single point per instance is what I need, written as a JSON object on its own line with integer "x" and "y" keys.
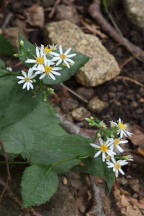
{"x": 91, "y": 29}
{"x": 17, "y": 201}
{"x": 130, "y": 79}
{"x": 6, "y": 21}
{"x": 7, "y": 169}
{"x": 54, "y": 8}
{"x": 126, "y": 62}
{"x": 74, "y": 93}
{"x": 95, "y": 12}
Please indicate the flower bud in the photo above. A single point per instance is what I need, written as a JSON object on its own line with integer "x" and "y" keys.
{"x": 21, "y": 43}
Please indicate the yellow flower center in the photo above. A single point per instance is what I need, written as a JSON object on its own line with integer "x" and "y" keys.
{"x": 62, "y": 56}
{"x": 122, "y": 126}
{"x": 27, "y": 79}
{"x": 39, "y": 60}
{"x": 48, "y": 69}
{"x": 116, "y": 142}
{"x": 117, "y": 165}
{"x": 104, "y": 148}
{"x": 47, "y": 50}
{"x": 107, "y": 157}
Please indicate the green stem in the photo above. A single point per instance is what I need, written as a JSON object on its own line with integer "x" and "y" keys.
{"x": 15, "y": 162}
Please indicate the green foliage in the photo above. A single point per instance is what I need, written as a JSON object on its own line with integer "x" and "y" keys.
{"x": 2, "y": 63}
{"x": 96, "y": 167}
{"x": 30, "y": 127}
{"x": 38, "y": 185}
{"x": 6, "y": 48}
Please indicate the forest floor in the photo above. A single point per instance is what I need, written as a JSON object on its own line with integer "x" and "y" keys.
{"x": 80, "y": 194}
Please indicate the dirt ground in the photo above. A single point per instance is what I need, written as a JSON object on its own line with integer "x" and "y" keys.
{"x": 80, "y": 194}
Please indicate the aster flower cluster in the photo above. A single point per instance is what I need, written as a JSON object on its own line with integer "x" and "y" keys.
{"x": 109, "y": 144}
{"x": 46, "y": 63}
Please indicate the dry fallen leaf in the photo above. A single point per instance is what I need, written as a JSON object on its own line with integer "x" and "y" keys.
{"x": 126, "y": 205}
{"x": 138, "y": 136}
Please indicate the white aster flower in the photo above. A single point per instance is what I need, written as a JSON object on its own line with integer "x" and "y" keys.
{"x": 115, "y": 143}
{"x": 39, "y": 59}
{"x": 122, "y": 129}
{"x": 102, "y": 124}
{"x": 47, "y": 69}
{"x": 129, "y": 158}
{"x": 47, "y": 49}
{"x": 9, "y": 68}
{"x": 26, "y": 79}
{"x": 116, "y": 165}
{"x": 112, "y": 124}
{"x": 53, "y": 46}
{"x": 103, "y": 149}
{"x": 63, "y": 57}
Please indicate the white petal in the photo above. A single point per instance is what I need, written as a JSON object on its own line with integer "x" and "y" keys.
{"x": 42, "y": 50}
{"x": 69, "y": 60}
{"x": 97, "y": 154}
{"x": 113, "y": 160}
{"x": 60, "y": 49}
{"x": 21, "y": 81}
{"x": 24, "y": 73}
{"x": 42, "y": 76}
{"x": 57, "y": 68}
{"x": 52, "y": 76}
{"x": 121, "y": 171}
{"x": 37, "y": 52}
{"x": 60, "y": 60}
{"x": 24, "y": 86}
{"x": 30, "y": 71}
{"x": 71, "y": 55}
{"x": 54, "y": 53}
{"x": 56, "y": 73}
{"x": 28, "y": 86}
{"x": 56, "y": 58}
{"x": 103, "y": 157}
{"x": 68, "y": 50}
{"x": 30, "y": 61}
{"x": 116, "y": 173}
{"x": 31, "y": 86}
{"x": 66, "y": 63}
{"x": 94, "y": 145}
{"x": 119, "y": 148}
{"x": 20, "y": 77}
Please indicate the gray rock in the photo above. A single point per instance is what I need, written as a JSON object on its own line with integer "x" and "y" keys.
{"x": 135, "y": 12}
{"x": 67, "y": 12}
{"x": 79, "y": 114}
{"x": 97, "y": 105}
{"x": 101, "y": 66}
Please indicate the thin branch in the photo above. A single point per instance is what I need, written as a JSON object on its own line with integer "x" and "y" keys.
{"x": 74, "y": 93}
{"x": 130, "y": 79}
{"x": 94, "y": 11}
{"x": 6, "y": 21}
{"x": 7, "y": 170}
{"x": 57, "y": 2}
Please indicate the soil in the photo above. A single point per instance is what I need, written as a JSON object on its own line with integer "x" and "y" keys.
{"x": 125, "y": 100}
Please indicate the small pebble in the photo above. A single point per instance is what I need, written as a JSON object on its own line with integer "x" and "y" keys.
{"x": 65, "y": 181}
{"x": 68, "y": 104}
